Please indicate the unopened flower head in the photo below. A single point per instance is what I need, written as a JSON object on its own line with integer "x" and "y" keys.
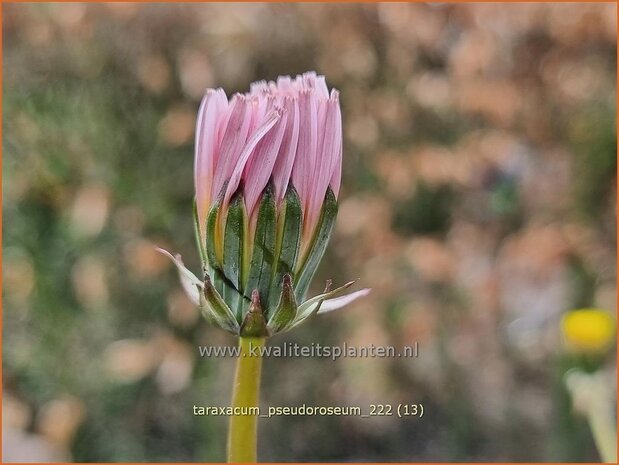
{"x": 267, "y": 175}
{"x": 588, "y": 330}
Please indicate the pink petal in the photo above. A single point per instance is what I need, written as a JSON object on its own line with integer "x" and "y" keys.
{"x": 321, "y": 87}
{"x": 288, "y": 149}
{"x": 211, "y": 108}
{"x": 258, "y": 88}
{"x": 233, "y": 183}
{"x": 305, "y": 160}
{"x": 329, "y": 150}
{"x": 309, "y": 79}
{"x": 284, "y": 84}
{"x": 336, "y": 177}
{"x": 336, "y": 172}
{"x": 233, "y": 140}
{"x": 259, "y": 167}
{"x": 260, "y": 106}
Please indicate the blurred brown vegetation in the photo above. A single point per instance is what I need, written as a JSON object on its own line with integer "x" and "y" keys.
{"x": 478, "y": 202}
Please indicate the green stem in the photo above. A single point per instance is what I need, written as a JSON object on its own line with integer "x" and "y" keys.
{"x": 593, "y": 396}
{"x": 603, "y": 430}
{"x": 243, "y": 432}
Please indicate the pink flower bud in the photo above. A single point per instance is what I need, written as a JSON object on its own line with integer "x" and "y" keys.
{"x": 289, "y": 131}
{"x": 268, "y": 165}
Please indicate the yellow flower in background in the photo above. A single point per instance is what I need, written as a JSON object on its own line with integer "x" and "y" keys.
{"x": 588, "y": 330}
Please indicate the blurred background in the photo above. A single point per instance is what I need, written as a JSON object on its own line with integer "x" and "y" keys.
{"x": 478, "y": 202}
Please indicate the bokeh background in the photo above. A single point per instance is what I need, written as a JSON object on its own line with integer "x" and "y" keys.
{"x": 478, "y": 202}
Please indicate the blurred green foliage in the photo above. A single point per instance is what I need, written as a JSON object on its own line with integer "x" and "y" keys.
{"x": 428, "y": 211}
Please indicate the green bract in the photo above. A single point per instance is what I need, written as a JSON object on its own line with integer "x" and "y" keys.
{"x": 254, "y": 282}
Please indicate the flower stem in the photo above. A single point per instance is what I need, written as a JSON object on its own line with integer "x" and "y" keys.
{"x": 242, "y": 435}
{"x": 603, "y": 430}
{"x": 593, "y": 396}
